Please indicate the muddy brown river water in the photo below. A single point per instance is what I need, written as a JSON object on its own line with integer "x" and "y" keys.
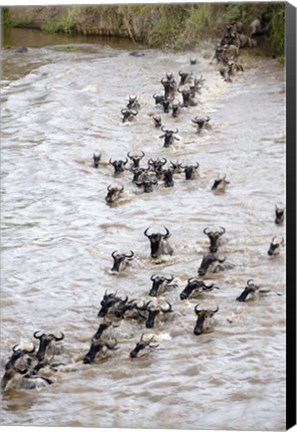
{"x": 58, "y": 233}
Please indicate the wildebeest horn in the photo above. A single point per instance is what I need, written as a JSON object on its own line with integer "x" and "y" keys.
{"x": 223, "y": 229}
{"x": 113, "y": 253}
{"x": 110, "y": 161}
{"x": 145, "y": 232}
{"x": 215, "y": 311}
{"x": 163, "y": 129}
{"x": 205, "y": 231}
{"x": 109, "y": 188}
{"x": 176, "y": 131}
{"x": 167, "y": 233}
{"x": 57, "y": 339}
{"x": 250, "y": 282}
{"x": 222, "y": 260}
{"x": 129, "y": 156}
{"x": 130, "y": 256}
{"x": 170, "y": 279}
{"x": 36, "y": 336}
{"x": 196, "y": 309}
{"x": 191, "y": 280}
{"x": 197, "y": 165}
{"x": 122, "y": 188}
{"x": 142, "y": 154}
{"x": 163, "y": 162}
{"x": 153, "y": 277}
{"x": 14, "y": 348}
{"x": 126, "y": 161}
{"x": 134, "y": 112}
{"x": 123, "y": 111}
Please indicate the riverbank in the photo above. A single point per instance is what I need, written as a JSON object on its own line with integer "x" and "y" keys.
{"x": 176, "y": 26}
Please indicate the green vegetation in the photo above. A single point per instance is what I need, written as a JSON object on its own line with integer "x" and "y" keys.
{"x": 63, "y": 25}
{"x": 177, "y": 26}
{"x": 64, "y": 48}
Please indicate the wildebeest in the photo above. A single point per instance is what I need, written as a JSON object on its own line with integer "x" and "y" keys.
{"x": 210, "y": 263}
{"x": 47, "y": 346}
{"x": 159, "y": 243}
{"x": 98, "y": 345}
{"x": 17, "y": 379}
{"x": 279, "y": 215}
{"x": 229, "y": 70}
{"x": 219, "y": 184}
{"x": 147, "y": 183}
{"x": 252, "y": 292}
{"x": 168, "y": 177}
{"x": 188, "y": 97}
{"x": 96, "y": 160}
{"x": 214, "y": 237}
{"x": 128, "y": 114}
{"x": 121, "y": 261}
{"x": 249, "y": 290}
{"x": 158, "y": 99}
{"x": 21, "y": 357}
{"x": 169, "y": 85}
{"x": 157, "y": 121}
{"x": 169, "y": 136}
{"x": 113, "y": 193}
{"x": 108, "y": 304}
{"x": 175, "y": 106}
{"x": 160, "y": 285}
{"x": 275, "y": 246}
{"x": 203, "y": 319}
{"x": 201, "y": 122}
{"x": 194, "y": 286}
{"x": 143, "y": 347}
{"x": 191, "y": 171}
{"x": 150, "y": 312}
{"x": 133, "y": 103}
{"x": 135, "y": 159}
{"x": 185, "y": 77}
{"x": 119, "y": 165}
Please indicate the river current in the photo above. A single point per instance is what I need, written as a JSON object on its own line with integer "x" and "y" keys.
{"x": 60, "y": 107}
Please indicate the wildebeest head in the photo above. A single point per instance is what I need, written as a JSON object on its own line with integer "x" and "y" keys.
{"x": 175, "y": 109}
{"x": 192, "y": 285}
{"x": 113, "y": 193}
{"x": 97, "y": 345}
{"x": 20, "y": 357}
{"x": 209, "y": 263}
{"x": 279, "y": 215}
{"x": 142, "y": 345}
{"x": 213, "y": 238}
{"x": 46, "y": 344}
{"x": 108, "y": 301}
{"x": 96, "y": 159}
{"x": 184, "y": 76}
{"x": 201, "y": 122}
{"x": 191, "y": 171}
{"x": 169, "y": 136}
{"x": 157, "y": 164}
{"x": 168, "y": 178}
{"x": 169, "y": 85}
{"x": 166, "y": 104}
{"x": 220, "y": 183}
{"x": 275, "y": 246}
{"x": 120, "y": 261}
{"x": 202, "y": 315}
{"x": 158, "y": 243}
{"x": 147, "y": 183}
{"x": 128, "y": 114}
{"x": 124, "y": 306}
{"x": 119, "y": 165}
{"x": 135, "y": 159}
{"x": 160, "y": 283}
{"x": 157, "y": 121}
{"x": 158, "y": 98}
{"x": 152, "y": 312}
{"x": 133, "y": 103}
{"x": 250, "y": 288}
